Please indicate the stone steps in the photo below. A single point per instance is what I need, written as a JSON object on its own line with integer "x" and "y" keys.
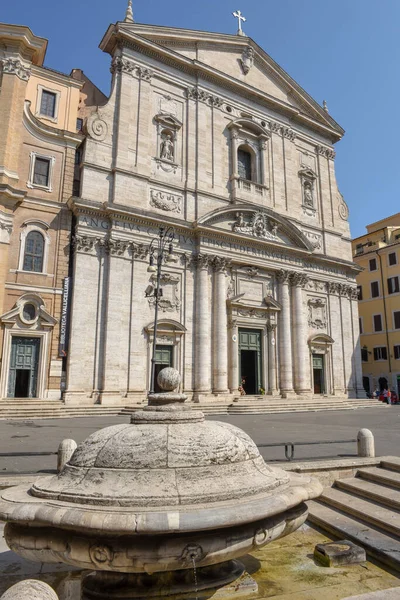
{"x": 365, "y": 509}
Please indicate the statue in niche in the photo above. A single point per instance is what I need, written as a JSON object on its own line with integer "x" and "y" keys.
{"x": 167, "y": 147}
{"x": 247, "y": 59}
{"x": 239, "y": 220}
{"x": 308, "y": 194}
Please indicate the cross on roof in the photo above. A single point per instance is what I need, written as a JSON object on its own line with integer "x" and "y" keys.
{"x": 238, "y": 15}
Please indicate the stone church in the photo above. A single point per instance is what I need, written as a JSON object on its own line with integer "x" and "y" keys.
{"x": 205, "y": 133}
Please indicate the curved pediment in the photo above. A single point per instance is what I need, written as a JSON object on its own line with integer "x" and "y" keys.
{"x": 260, "y": 224}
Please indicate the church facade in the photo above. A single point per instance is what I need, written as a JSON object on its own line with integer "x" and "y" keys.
{"x": 206, "y": 134}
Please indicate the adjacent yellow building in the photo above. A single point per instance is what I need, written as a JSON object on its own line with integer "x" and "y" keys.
{"x": 378, "y": 253}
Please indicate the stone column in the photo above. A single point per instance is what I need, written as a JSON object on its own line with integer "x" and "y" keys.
{"x": 358, "y": 375}
{"x": 203, "y": 322}
{"x": 234, "y": 356}
{"x": 299, "y": 328}
{"x": 285, "y": 336}
{"x": 336, "y": 326}
{"x": 272, "y": 388}
{"x": 220, "y": 329}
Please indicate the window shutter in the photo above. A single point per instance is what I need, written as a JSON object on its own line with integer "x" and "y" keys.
{"x": 48, "y": 104}
{"x": 41, "y": 171}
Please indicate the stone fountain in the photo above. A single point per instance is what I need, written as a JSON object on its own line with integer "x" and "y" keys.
{"x": 143, "y": 504}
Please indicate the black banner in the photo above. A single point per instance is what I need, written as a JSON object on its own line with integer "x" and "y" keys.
{"x": 63, "y": 345}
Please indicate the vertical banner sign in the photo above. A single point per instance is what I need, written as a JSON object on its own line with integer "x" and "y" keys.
{"x": 62, "y": 347}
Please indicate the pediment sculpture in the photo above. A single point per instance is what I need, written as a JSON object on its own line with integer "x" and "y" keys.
{"x": 257, "y": 225}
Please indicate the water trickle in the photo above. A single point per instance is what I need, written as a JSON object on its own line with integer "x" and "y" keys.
{"x": 193, "y": 557}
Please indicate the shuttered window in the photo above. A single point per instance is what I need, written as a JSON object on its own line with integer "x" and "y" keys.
{"x": 41, "y": 171}
{"x": 244, "y": 164}
{"x": 34, "y": 252}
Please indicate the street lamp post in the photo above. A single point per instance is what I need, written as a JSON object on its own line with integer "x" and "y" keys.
{"x": 160, "y": 248}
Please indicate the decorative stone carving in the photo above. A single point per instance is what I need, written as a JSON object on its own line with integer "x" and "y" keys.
{"x": 315, "y": 239}
{"x": 139, "y": 251}
{"x": 166, "y": 201}
{"x": 96, "y": 127}
{"x": 353, "y": 293}
{"x": 317, "y": 313}
{"x": 298, "y": 279}
{"x": 84, "y": 243}
{"x": 288, "y": 133}
{"x": 343, "y": 208}
{"x": 117, "y": 247}
{"x": 326, "y": 152}
{"x": 252, "y": 272}
{"x": 275, "y": 127}
{"x": 123, "y": 65}
{"x": 333, "y": 287}
{"x": 257, "y": 226}
{"x": 314, "y": 285}
{"x": 247, "y": 60}
{"x": 220, "y": 264}
{"x": 101, "y": 555}
{"x": 168, "y": 105}
{"x": 251, "y": 313}
{"x": 14, "y": 66}
{"x": 30, "y": 589}
{"x": 231, "y": 289}
{"x": 195, "y": 93}
{"x": 201, "y": 261}
{"x": 169, "y": 301}
{"x": 284, "y": 276}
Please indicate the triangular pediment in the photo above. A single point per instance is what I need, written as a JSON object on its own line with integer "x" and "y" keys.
{"x": 233, "y": 59}
{"x": 259, "y": 224}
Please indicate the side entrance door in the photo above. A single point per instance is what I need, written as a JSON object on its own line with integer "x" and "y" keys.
{"x": 24, "y": 362}
{"x": 163, "y": 359}
{"x": 319, "y": 374}
{"x": 250, "y": 360}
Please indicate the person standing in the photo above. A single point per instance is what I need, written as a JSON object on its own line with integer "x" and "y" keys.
{"x": 389, "y": 397}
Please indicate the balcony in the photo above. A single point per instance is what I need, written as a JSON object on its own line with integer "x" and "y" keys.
{"x": 246, "y": 189}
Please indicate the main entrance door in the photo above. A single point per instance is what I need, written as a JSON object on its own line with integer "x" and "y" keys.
{"x": 318, "y": 373}
{"x": 24, "y": 361}
{"x": 250, "y": 360}
{"x": 163, "y": 358}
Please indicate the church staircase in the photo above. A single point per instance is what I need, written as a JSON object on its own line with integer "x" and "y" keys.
{"x": 34, "y": 408}
{"x": 366, "y": 510}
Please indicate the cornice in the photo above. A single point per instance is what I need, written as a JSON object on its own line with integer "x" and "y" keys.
{"x": 47, "y": 133}
{"x": 56, "y": 76}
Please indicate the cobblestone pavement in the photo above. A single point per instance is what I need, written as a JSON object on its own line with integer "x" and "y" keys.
{"x": 45, "y": 435}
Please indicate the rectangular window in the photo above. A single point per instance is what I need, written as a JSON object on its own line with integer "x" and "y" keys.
{"x": 48, "y": 104}
{"x": 79, "y": 124}
{"x": 396, "y": 319}
{"x": 364, "y": 354}
{"x": 41, "y": 171}
{"x": 359, "y": 292}
{"x": 380, "y": 353}
{"x": 393, "y": 285}
{"x": 359, "y": 249}
{"x": 372, "y": 264}
{"x": 360, "y": 324}
{"x": 396, "y": 350}
{"x": 374, "y": 289}
{"x": 377, "y": 322}
{"x": 392, "y": 259}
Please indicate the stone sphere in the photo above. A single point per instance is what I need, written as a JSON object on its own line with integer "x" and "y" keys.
{"x": 168, "y": 379}
{"x": 30, "y": 589}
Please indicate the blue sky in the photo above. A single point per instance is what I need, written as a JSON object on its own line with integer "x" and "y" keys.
{"x": 344, "y": 51}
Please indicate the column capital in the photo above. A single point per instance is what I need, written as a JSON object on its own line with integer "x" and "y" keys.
{"x": 271, "y": 327}
{"x": 284, "y": 276}
{"x": 298, "y": 279}
{"x": 202, "y": 261}
{"x": 220, "y": 264}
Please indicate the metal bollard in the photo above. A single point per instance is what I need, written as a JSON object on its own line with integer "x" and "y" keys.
{"x": 65, "y": 451}
{"x": 365, "y": 443}
{"x": 30, "y": 589}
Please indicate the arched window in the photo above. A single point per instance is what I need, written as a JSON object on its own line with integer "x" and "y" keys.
{"x": 34, "y": 252}
{"x": 245, "y": 164}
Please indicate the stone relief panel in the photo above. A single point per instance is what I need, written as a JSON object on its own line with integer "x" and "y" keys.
{"x": 257, "y": 225}
{"x": 317, "y": 315}
{"x": 307, "y": 161}
{"x": 170, "y": 300}
{"x": 314, "y": 285}
{"x": 315, "y": 239}
{"x": 253, "y": 290}
{"x": 166, "y": 201}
